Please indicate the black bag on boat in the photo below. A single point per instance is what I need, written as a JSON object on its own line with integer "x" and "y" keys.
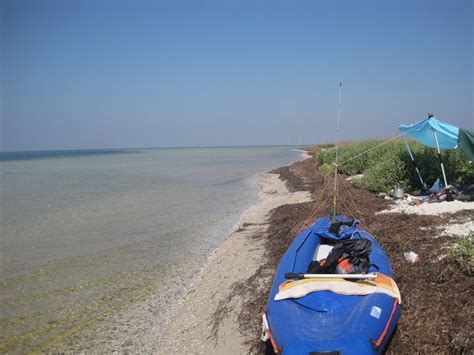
{"x": 339, "y": 226}
{"x": 350, "y": 256}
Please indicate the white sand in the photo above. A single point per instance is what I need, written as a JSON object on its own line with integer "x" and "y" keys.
{"x": 456, "y": 228}
{"x": 435, "y": 208}
{"x": 459, "y": 229}
{"x": 305, "y": 154}
{"x": 236, "y": 260}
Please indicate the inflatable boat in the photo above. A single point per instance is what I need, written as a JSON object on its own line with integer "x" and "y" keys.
{"x": 351, "y": 307}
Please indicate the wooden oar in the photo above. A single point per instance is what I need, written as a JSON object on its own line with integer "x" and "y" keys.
{"x": 330, "y": 276}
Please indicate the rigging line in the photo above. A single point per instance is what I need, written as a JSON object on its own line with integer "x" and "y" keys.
{"x": 371, "y": 149}
{"x": 347, "y": 189}
{"x": 321, "y": 209}
{"x": 325, "y": 186}
{"x": 344, "y": 204}
{"x": 361, "y": 222}
{"x": 315, "y": 212}
{"x": 352, "y": 200}
{"x": 318, "y": 204}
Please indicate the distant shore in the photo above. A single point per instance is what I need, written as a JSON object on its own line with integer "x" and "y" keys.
{"x": 221, "y": 314}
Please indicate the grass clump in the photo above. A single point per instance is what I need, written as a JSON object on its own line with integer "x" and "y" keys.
{"x": 326, "y": 145}
{"x": 463, "y": 253}
{"x": 390, "y": 164}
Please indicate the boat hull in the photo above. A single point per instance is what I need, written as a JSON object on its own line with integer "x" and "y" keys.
{"x": 325, "y": 321}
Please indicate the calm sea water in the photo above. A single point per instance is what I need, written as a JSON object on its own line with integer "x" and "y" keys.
{"x": 98, "y": 247}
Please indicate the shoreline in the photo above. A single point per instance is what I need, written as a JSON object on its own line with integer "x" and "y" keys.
{"x": 221, "y": 314}
{"x": 237, "y": 259}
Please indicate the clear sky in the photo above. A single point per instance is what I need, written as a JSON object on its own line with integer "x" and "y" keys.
{"x": 103, "y": 74}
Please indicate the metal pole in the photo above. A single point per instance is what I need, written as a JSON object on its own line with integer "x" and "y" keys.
{"x": 337, "y": 154}
{"x": 413, "y": 160}
{"x": 439, "y": 157}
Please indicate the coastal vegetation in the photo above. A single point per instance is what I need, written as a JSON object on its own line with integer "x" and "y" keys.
{"x": 463, "y": 252}
{"x": 390, "y": 164}
{"x": 444, "y": 268}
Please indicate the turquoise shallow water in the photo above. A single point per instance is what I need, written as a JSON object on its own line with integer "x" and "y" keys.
{"x": 98, "y": 245}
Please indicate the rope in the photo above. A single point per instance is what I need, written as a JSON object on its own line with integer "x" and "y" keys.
{"x": 343, "y": 202}
{"x": 318, "y": 205}
{"x": 371, "y": 149}
{"x": 362, "y": 224}
{"x": 353, "y": 203}
{"x": 326, "y": 184}
{"x": 316, "y": 208}
{"x": 322, "y": 202}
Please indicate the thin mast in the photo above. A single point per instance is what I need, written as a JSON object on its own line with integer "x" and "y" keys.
{"x": 337, "y": 152}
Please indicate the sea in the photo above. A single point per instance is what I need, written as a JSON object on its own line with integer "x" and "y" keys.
{"x": 98, "y": 248}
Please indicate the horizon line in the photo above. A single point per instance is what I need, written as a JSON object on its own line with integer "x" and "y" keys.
{"x": 162, "y": 147}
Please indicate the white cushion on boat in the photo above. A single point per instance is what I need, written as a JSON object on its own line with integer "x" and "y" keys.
{"x": 322, "y": 252}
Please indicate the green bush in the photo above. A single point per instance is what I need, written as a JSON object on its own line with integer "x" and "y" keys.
{"x": 327, "y": 169}
{"x": 390, "y": 164}
{"x": 463, "y": 252}
{"x": 326, "y": 157}
{"x": 324, "y": 146}
{"x": 384, "y": 175}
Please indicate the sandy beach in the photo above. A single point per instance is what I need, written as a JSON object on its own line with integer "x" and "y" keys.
{"x": 194, "y": 330}
{"x": 158, "y": 158}
{"x": 221, "y": 313}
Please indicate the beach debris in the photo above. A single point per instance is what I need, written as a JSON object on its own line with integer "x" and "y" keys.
{"x": 355, "y": 177}
{"x": 265, "y": 328}
{"x": 398, "y": 192}
{"x": 436, "y": 186}
{"x": 412, "y": 257}
{"x": 412, "y": 200}
{"x": 384, "y": 196}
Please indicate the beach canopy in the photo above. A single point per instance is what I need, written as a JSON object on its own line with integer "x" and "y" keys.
{"x": 433, "y": 133}
{"x": 438, "y": 134}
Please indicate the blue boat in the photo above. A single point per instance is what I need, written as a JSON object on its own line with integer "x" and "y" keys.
{"x": 329, "y": 321}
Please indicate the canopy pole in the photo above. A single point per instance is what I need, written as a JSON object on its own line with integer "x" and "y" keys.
{"x": 439, "y": 157}
{"x": 416, "y": 166}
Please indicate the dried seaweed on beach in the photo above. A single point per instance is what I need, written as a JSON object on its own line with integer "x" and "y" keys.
{"x": 438, "y": 306}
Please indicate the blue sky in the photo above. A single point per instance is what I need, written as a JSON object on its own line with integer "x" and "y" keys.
{"x": 103, "y": 74}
